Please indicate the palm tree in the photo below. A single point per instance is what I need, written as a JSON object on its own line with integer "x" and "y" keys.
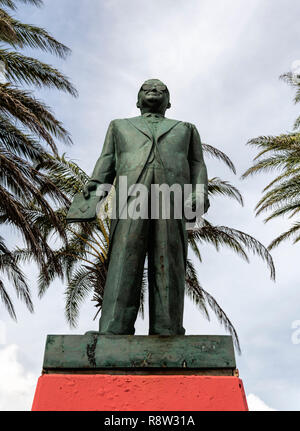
{"x": 82, "y": 260}
{"x": 28, "y": 130}
{"x": 9, "y": 266}
{"x": 282, "y": 154}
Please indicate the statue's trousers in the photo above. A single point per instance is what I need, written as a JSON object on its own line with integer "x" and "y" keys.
{"x": 164, "y": 242}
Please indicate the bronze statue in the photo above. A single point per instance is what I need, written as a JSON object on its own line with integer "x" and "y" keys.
{"x": 148, "y": 149}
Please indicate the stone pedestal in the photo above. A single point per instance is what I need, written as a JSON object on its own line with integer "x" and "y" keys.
{"x": 139, "y": 373}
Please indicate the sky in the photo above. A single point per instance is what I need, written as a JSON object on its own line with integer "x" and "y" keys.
{"x": 221, "y": 61}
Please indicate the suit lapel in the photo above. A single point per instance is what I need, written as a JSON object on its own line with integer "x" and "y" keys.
{"x": 141, "y": 124}
{"x": 164, "y": 126}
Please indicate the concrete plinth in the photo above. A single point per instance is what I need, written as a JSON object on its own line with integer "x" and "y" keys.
{"x": 93, "y": 372}
{"x": 100, "y": 392}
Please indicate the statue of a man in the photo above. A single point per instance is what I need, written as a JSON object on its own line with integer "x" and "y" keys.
{"x": 148, "y": 149}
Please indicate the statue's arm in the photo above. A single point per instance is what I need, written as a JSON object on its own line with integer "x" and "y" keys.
{"x": 83, "y": 209}
{"x": 104, "y": 170}
{"x": 198, "y": 171}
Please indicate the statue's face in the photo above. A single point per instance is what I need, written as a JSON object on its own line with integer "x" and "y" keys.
{"x": 153, "y": 94}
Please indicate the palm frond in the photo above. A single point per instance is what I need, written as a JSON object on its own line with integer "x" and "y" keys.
{"x": 284, "y": 176}
{"x": 32, "y": 113}
{"x": 214, "y": 152}
{"x": 287, "y": 192}
{"x": 217, "y": 236}
{"x": 291, "y": 207}
{"x": 283, "y": 142}
{"x": 8, "y": 3}
{"x": 297, "y": 124}
{"x": 7, "y": 32}
{"x": 222, "y": 318}
{"x": 286, "y": 235}
{"x": 78, "y": 288}
{"x": 202, "y": 298}
{"x": 194, "y": 246}
{"x": 27, "y": 195}
{"x": 19, "y": 34}
{"x": 9, "y": 266}
{"x": 19, "y": 143}
{"x": 290, "y": 79}
{"x": 236, "y": 240}
{"x": 271, "y": 163}
{"x": 53, "y": 270}
{"x": 194, "y": 290}
{"x": 28, "y": 70}
{"x": 253, "y": 245}
{"x": 10, "y": 105}
{"x": 216, "y": 186}
{"x": 7, "y": 301}
{"x": 281, "y": 153}
{"x": 12, "y": 3}
{"x": 66, "y": 174}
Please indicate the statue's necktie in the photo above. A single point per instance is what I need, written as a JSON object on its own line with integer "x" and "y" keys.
{"x": 153, "y": 121}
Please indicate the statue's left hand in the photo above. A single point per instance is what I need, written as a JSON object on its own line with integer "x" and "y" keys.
{"x": 197, "y": 206}
{"x": 88, "y": 188}
{"x": 206, "y": 205}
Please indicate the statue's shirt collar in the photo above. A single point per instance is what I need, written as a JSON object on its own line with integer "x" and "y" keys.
{"x": 151, "y": 115}
{"x": 164, "y": 126}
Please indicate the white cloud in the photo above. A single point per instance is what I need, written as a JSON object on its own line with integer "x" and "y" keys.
{"x": 17, "y": 386}
{"x": 256, "y": 404}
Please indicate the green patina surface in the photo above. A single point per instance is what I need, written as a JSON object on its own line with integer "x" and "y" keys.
{"x": 146, "y": 150}
{"x": 133, "y": 352}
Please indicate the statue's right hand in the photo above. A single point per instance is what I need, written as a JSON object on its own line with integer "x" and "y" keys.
{"x": 88, "y": 188}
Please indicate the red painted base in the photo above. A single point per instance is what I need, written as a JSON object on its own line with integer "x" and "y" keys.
{"x": 102, "y": 392}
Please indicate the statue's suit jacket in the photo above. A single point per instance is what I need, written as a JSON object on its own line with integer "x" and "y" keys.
{"x": 127, "y": 147}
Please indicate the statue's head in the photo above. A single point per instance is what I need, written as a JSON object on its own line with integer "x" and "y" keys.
{"x": 153, "y": 96}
